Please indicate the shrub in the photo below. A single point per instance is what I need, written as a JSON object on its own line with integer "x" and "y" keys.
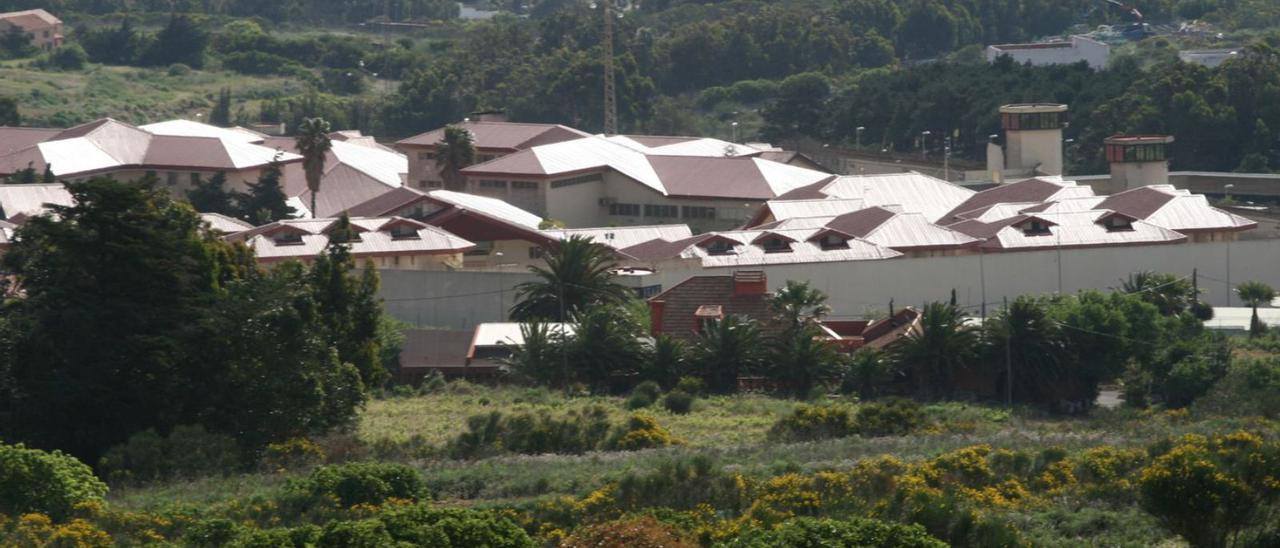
{"x": 813, "y": 422}
{"x": 365, "y": 533}
{"x": 532, "y": 434}
{"x": 1191, "y": 378}
{"x": 637, "y": 532}
{"x": 420, "y": 525}
{"x": 358, "y": 483}
{"x": 1193, "y": 496}
{"x": 691, "y": 385}
{"x": 830, "y": 532}
{"x": 33, "y": 530}
{"x": 649, "y": 389}
{"x": 69, "y": 57}
{"x": 188, "y": 451}
{"x": 678, "y": 402}
{"x": 640, "y": 432}
{"x": 46, "y": 482}
{"x": 893, "y": 418}
{"x": 292, "y": 453}
{"x": 179, "y": 69}
{"x": 638, "y": 400}
{"x": 211, "y": 533}
{"x": 1248, "y": 389}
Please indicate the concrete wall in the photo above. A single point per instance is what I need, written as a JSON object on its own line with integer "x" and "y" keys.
{"x": 1035, "y": 149}
{"x": 579, "y": 206}
{"x": 1080, "y": 49}
{"x": 453, "y": 300}
{"x": 461, "y": 299}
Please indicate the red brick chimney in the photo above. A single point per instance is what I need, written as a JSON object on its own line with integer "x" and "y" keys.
{"x": 656, "y": 309}
{"x": 750, "y": 282}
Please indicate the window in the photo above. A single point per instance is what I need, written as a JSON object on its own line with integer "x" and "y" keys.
{"x": 776, "y": 245}
{"x": 195, "y": 179}
{"x": 695, "y": 212}
{"x": 1036, "y": 227}
{"x": 287, "y": 237}
{"x": 832, "y": 241}
{"x": 1032, "y": 120}
{"x": 46, "y": 34}
{"x": 719, "y": 247}
{"x": 624, "y": 210}
{"x": 1117, "y": 223}
{"x": 524, "y": 185}
{"x": 648, "y": 291}
{"x": 404, "y": 232}
{"x": 535, "y": 252}
{"x": 493, "y": 184}
{"x": 172, "y": 178}
{"x": 668, "y": 211}
{"x": 594, "y": 177}
{"x": 482, "y": 248}
{"x": 1136, "y": 153}
{"x": 425, "y": 156}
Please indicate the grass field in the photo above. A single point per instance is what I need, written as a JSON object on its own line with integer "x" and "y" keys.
{"x": 134, "y": 95}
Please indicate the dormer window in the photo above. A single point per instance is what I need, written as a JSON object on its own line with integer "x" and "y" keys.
{"x": 404, "y": 232}
{"x": 829, "y": 242}
{"x": 719, "y": 247}
{"x": 1036, "y": 227}
{"x": 1118, "y": 223}
{"x": 287, "y": 237}
{"x": 775, "y": 244}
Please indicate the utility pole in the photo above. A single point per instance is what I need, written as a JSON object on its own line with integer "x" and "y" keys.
{"x": 1008, "y": 353}
{"x": 610, "y": 93}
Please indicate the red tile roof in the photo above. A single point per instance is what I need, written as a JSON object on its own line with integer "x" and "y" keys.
{"x": 683, "y": 300}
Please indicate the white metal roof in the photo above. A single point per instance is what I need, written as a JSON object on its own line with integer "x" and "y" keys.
{"x": 1188, "y": 211}
{"x": 679, "y": 146}
{"x": 380, "y": 163}
{"x": 794, "y": 209}
{"x": 802, "y": 251}
{"x": 913, "y": 191}
{"x": 224, "y": 224}
{"x": 373, "y": 241}
{"x": 906, "y": 230}
{"x": 188, "y": 128}
{"x": 1081, "y": 229}
{"x": 619, "y": 237}
{"x": 31, "y": 200}
{"x": 509, "y": 333}
{"x": 1239, "y": 318}
{"x": 491, "y": 207}
{"x": 597, "y": 152}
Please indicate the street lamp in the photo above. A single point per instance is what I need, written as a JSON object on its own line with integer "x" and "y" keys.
{"x": 502, "y": 289}
{"x": 734, "y": 125}
{"x": 1066, "y": 148}
{"x": 858, "y": 131}
{"x": 924, "y": 144}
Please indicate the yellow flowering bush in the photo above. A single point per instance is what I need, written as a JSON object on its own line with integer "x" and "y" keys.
{"x": 39, "y": 531}
{"x": 641, "y": 432}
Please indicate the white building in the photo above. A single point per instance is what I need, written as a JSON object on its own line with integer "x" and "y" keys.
{"x": 1074, "y": 50}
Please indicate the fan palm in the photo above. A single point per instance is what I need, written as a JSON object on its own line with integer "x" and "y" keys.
{"x": 798, "y": 303}
{"x": 314, "y": 144}
{"x": 1171, "y": 294}
{"x": 578, "y": 274}
{"x": 454, "y": 152}
{"x": 725, "y": 349}
{"x": 941, "y": 346}
{"x": 1254, "y": 294}
{"x": 1026, "y": 335}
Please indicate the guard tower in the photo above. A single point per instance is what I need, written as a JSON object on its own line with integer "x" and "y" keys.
{"x": 1138, "y": 160}
{"x": 1033, "y": 137}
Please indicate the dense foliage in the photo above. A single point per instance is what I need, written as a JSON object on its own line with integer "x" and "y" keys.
{"x": 51, "y": 483}
{"x": 124, "y": 315}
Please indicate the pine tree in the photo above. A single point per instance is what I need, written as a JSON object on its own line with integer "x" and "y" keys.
{"x": 265, "y": 202}
{"x": 221, "y": 114}
{"x": 48, "y": 177}
{"x": 211, "y": 197}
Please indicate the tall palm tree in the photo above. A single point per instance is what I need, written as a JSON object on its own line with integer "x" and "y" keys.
{"x": 314, "y": 145}
{"x": 932, "y": 354}
{"x": 802, "y": 357}
{"x": 454, "y": 152}
{"x": 798, "y": 303}
{"x": 1032, "y": 341}
{"x": 578, "y": 274}
{"x": 1171, "y": 294}
{"x": 725, "y": 349}
{"x": 1254, "y": 294}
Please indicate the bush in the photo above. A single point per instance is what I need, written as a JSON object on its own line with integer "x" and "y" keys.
{"x": 48, "y": 483}
{"x": 420, "y": 525}
{"x": 293, "y": 453}
{"x": 1248, "y": 389}
{"x": 678, "y": 402}
{"x": 830, "y": 532}
{"x": 188, "y": 452}
{"x": 649, "y": 389}
{"x": 893, "y": 418}
{"x": 640, "y": 432}
{"x": 365, "y": 533}
{"x": 638, "y": 532}
{"x": 178, "y": 69}
{"x": 358, "y": 483}
{"x": 638, "y": 400}
{"x": 1191, "y": 378}
{"x": 532, "y": 434}
{"x": 693, "y": 386}
{"x": 813, "y": 422}
{"x": 1199, "y": 491}
{"x": 69, "y": 57}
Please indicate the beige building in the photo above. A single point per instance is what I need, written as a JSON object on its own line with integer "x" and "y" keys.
{"x": 390, "y": 243}
{"x": 44, "y": 29}
{"x": 492, "y": 136}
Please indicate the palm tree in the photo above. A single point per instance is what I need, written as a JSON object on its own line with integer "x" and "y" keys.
{"x": 604, "y": 342}
{"x": 1171, "y": 294}
{"x": 725, "y": 349}
{"x": 932, "y": 354}
{"x": 578, "y": 274}
{"x": 314, "y": 145}
{"x": 798, "y": 303}
{"x": 1025, "y": 335}
{"x": 1254, "y": 294}
{"x": 801, "y": 358}
{"x": 665, "y": 361}
{"x": 453, "y": 153}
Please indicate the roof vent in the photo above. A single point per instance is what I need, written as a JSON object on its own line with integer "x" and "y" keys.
{"x": 750, "y": 282}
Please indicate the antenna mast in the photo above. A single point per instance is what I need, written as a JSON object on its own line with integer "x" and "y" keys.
{"x": 610, "y": 94}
